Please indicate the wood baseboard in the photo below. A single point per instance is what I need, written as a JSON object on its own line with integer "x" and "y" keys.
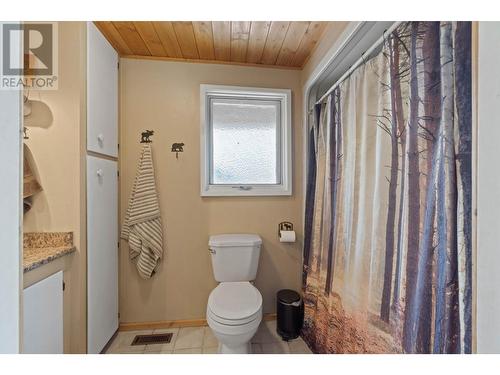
{"x": 137, "y": 326}
{"x": 269, "y": 316}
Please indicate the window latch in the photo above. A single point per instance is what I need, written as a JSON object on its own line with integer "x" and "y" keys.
{"x": 241, "y": 187}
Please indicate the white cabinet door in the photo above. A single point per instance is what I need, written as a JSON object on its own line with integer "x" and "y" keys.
{"x": 102, "y": 94}
{"x": 43, "y": 316}
{"x": 102, "y": 252}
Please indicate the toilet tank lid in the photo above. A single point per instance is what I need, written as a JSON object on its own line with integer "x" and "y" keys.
{"x": 222, "y": 240}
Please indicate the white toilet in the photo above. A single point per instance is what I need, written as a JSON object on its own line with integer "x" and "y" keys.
{"x": 234, "y": 309}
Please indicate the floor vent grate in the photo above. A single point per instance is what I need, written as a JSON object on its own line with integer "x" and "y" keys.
{"x": 160, "y": 338}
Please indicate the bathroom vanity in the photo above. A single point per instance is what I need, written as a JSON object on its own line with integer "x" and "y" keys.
{"x": 45, "y": 258}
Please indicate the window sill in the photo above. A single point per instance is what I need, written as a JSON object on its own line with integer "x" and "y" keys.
{"x": 253, "y": 191}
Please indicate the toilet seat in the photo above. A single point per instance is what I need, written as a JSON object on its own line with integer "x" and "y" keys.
{"x": 234, "y": 329}
{"x": 234, "y": 303}
{"x": 233, "y": 322}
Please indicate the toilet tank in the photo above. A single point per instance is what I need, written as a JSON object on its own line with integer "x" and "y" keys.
{"x": 235, "y": 257}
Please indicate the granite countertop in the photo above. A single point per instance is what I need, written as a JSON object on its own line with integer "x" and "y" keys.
{"x": 44, "y": 247}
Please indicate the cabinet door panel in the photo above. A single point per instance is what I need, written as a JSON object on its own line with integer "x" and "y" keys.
{"x": 43, "y": 316}
{"x": 102, "y": 94}
{"x": 102, "y": 252}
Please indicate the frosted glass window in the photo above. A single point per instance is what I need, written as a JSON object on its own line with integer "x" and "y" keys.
{"x": 245, "y": 141}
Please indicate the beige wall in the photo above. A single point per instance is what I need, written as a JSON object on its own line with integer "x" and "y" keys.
{"x": 164, "y": 96}
{"x": 55, "y": 146}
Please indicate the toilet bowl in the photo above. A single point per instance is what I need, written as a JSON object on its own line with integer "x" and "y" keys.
{"x": 234, "y": 308}
{"x": 234, "y": 312}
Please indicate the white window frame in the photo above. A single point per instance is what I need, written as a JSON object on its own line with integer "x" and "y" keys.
{"x": 284, "y": 96}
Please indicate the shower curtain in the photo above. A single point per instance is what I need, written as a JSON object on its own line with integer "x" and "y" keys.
{"x": 388, "y": 243}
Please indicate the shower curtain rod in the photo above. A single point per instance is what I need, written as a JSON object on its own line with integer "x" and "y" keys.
{"x": 358, "y": 62}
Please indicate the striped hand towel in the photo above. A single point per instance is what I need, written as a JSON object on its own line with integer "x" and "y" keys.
{"x": 142, "y": 226}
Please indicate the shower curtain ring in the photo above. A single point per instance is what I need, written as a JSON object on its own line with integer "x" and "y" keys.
{"x": 363, "y": 57}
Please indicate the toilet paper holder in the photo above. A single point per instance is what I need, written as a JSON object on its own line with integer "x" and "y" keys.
{"x": 284, "y": 225}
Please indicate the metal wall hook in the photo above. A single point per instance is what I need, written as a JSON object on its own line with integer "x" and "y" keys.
{"x": 177, "y": 147}
{"x": 145, "y": 136}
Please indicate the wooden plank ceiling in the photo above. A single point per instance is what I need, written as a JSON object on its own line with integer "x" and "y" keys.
{"x": 266, "y": 43}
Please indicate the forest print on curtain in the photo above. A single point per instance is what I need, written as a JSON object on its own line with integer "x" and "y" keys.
{"x": 387, "y": 249}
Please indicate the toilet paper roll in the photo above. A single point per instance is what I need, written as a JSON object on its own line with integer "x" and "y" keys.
{"x": 287, "y": 236}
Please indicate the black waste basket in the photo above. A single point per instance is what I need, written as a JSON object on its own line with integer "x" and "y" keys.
{"x": 290, "y": 310}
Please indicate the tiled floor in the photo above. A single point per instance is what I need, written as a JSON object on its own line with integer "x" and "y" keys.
{"x": 198, "y": 340}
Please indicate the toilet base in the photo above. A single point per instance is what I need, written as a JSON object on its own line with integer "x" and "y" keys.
{"x": 241, "y": 349}
{"x": 234, "y": 339}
